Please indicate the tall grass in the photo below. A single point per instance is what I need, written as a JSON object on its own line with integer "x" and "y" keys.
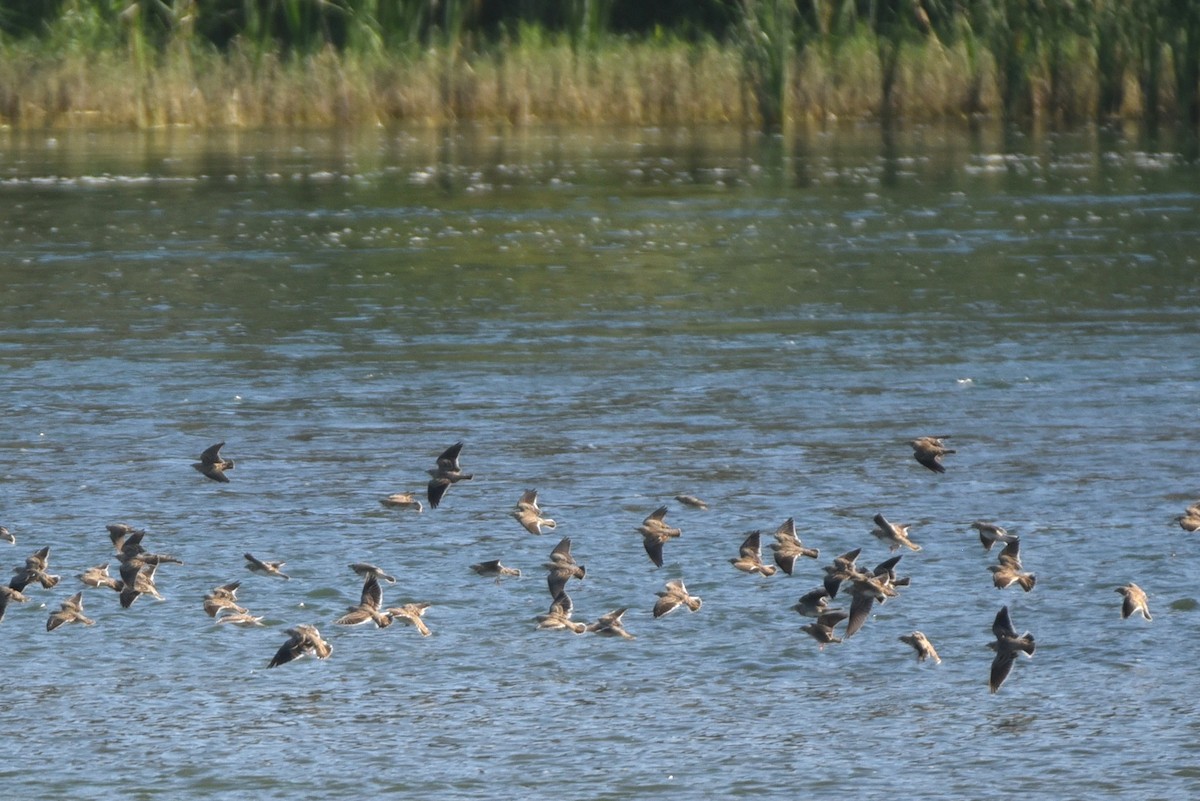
{"x": 240, "y": 63}
{"x": 766, "y": 45}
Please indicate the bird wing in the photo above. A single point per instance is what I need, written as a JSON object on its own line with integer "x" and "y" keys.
{"x": 860, "y": 608}
{"x": 448, "y": 461}
{"x": 1002, "y": 626}
{"x": 1001, "y": 667}
{"x": 437, "y": 488}
{"x": 752, "y": 545}
{"x": 211, "y": 455}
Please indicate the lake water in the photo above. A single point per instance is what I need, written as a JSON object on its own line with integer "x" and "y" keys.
{"x": 611, "y": 317}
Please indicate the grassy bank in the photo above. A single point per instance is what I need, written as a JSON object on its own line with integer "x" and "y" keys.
{"x": 771, "y": 66}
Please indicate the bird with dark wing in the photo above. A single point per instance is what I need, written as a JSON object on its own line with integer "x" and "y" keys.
{"x": 562, "y": 567}
{"x": 211, "y": 465}
{"x": 446, "y": 473}
{"x": 749, "y": 558}
{"x": 821, "y": 629}
{"x": 788, "y": 547}
{"x": 256, "y": 565}
{"x": 655, "y": 533}
{"x": 1134, "y": 602}
{"x": 303, "y": 640}
{"x": 929, "y": 452}
{"x": 369, "y": 607}
{"x": 1006, "y": 645}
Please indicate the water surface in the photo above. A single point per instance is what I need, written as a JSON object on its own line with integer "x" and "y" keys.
{"x": 613, "y": 318}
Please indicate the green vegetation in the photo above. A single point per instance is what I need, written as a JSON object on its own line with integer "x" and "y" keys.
{"x": 253, "y": 63}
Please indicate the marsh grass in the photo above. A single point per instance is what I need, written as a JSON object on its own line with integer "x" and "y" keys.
{"x": 108, "y": 69}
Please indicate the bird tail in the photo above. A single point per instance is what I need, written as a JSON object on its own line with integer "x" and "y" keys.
{"x": 1027, "y": 581}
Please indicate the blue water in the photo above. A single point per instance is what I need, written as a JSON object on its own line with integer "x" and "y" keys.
{"x": 612, "y": 318}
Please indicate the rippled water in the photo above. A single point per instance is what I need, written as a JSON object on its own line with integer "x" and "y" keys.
{"x": 612, "y": 318}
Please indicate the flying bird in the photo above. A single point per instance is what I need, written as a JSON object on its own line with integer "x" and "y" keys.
{"x": 98, "y": 577}
{"x": 366, "y": 570}
{"x": 842, "y": 569}
{"x": 893, "y": 534}
{"x": 1009, "y": 571}
{"x": 929, "y": 452}
{"x": 562, "y": 567}
{"x": 821, "y": 629}
{"x": 990, "y": 534}
{"x": 529, "y": 514}
{"x": 1006, "y": 645}
{"x": 1190, "y": 519}
{"x": 7, "y": 595}
{"x": 446, "y": 472}
{"x": 223, "y": 599}
{"x": 71, "y": 611}
{"x": 303, "y": 640}
{"x": 494, "y": 568}
{"x": 865, "y": 590}
{"x": 559, "y": 616}
{"x": 655, "y": 533}
{"x": 788, "y": 547}
{"x": 402, "y": 500}
{"x": 36, "y": 568}
{"x": 673, "y": 596}
{"x": 813, "y": 603}
{"x": 922, "y": 646}
{"x": 749, "y": 559}
{"x": 1135, "y": 601}
{"x": 610, "y": 625}
{"x": 692, "y": 501}
{"x": 137, "y": 579}
{"x": 212, "y": 465}
{"x": 256, "y": 565}
{"x": 411, "y": 614}
{"x": 368, "y": 608}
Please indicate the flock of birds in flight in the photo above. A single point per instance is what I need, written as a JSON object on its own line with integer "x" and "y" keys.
{"x": 867, "y": 587}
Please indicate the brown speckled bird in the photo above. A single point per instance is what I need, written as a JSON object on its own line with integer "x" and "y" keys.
{"x": 749, "y": 559}
{"x": 303, "y": 640}
{"x": 921, "y": 644}
{"x": 256, "y": 565}
{"x": 529, "y": 514}
{"x": 369, "y": 607}
{"x": 673, "y": 596}
{"x": 610, "y": 625}
{"x": 655, "y": 533}
{"x": 893, "y": 534}
{"x": 562, "y": 567}
{"x": 788, "y": 547}
{"x": 71, "y": 611}
{"x": 559, "y": 616}
{"x": 403, "y": 500}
